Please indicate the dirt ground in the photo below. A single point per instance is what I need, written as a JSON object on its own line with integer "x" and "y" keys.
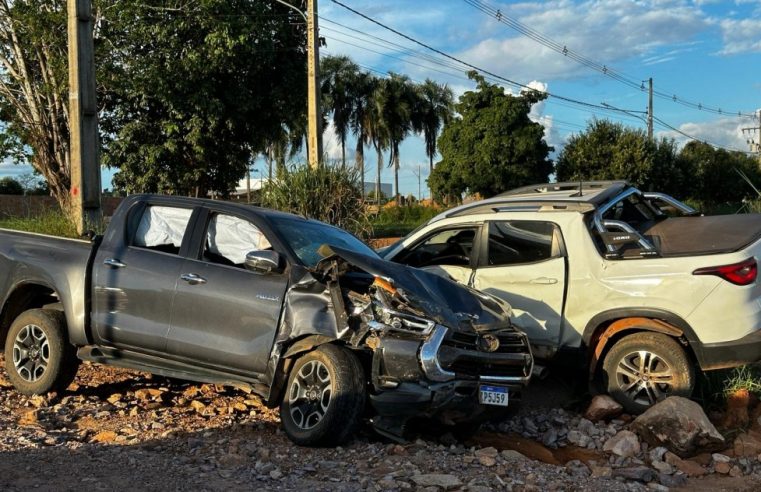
{"x": 123, "y": 430}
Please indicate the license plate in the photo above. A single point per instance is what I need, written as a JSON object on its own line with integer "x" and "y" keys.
{"x": 493, "y": 395}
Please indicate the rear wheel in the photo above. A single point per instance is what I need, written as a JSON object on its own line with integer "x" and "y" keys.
{"x": 325, "y": 397}
{"x": 645, "y": 368}
{"x": 38, "y": 356}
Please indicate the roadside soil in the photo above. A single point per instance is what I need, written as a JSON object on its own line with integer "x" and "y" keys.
{"x": 117, "y": 429}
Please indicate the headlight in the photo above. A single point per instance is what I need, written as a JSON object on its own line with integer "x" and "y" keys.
{"x": 406, "y": 323}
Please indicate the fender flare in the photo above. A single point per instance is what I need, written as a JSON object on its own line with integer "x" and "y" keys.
{"x": 596, "y": 338}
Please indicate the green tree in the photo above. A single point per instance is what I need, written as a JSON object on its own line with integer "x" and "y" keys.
{"x": 715, "y": 179}
{"x": 607, "y": 150}
{"x": 196, "y": 89}
{"x": 34, "y": 90}
{"x": 340, "y": 77}
{"x": 9, "y": 186}
{"x": 361, "y": 124}
{"x": 377, "y": 130}
{"x": 436, "y": 102}
{"x": 492, "y": 146}
{"x": 397, "y": 100}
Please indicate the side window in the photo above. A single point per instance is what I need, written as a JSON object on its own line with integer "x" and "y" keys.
{"x": 162, "y": 228}
{"x": 514, "y": 242}
{"x": 446, "y": 247}
{"x": 229, "y": 239}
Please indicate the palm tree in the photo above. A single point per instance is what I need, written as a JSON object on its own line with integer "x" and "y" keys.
{"x": 398, "y": 99}
{"x": 375, "y": 127}
{"x": 339, "y": 76}
{"x": 435, "y": 110}
{"x": 361, "y": 115}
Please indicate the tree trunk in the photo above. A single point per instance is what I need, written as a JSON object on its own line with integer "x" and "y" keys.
{"x": 397, "y": 195}
{"x": 378, "y": 176}
{"x": 343, "y": 152}
{"x": 360, "y": 162}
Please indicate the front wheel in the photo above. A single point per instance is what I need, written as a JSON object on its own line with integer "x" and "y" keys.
{"x": 38, "y": 356}
{"x": 645, "y": 368}
{"x": 325, "y": 397}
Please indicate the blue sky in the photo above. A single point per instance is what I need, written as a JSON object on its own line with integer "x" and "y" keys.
{"x": 703, "y": 51}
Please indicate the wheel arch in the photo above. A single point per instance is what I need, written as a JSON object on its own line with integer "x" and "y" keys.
{"x": 606, "y": 328}
{"x": 24, "y": 296}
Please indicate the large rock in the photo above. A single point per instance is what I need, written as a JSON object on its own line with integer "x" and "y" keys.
{"x": 748, "y": 444}
{"x": 625, "y": 444}
{"x": 680, "y": 425}
{"x": 603, "y": 407}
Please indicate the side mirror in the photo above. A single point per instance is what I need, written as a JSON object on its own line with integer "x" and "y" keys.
{"x": 263, "y": 262}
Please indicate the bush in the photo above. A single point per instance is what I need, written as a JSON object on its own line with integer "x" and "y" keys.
{"x": 332, "y": 194}
{"x": 52, "y": 223}
{"x": 399, "y": 221}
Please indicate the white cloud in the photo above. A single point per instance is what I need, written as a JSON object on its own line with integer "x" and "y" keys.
{"x": 741, "y": 36}
{"x": 607, "y": 32}
{"x": 725, "y": 132}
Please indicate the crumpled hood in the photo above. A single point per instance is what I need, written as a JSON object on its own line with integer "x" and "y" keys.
{"x": 451, "y": 304}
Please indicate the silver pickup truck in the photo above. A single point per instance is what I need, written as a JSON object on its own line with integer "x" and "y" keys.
{"x": 305, "y": 314}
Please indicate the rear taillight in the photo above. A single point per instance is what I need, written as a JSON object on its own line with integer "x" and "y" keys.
{"x": 743, "y": 273}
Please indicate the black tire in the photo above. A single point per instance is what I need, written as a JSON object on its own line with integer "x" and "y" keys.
{"x": 305, "y": 397}
{"x": 38, "y": 355}
{"x": 629, "y": 377}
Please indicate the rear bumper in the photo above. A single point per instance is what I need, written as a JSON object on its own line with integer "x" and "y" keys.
{"x": 745, "y": 350}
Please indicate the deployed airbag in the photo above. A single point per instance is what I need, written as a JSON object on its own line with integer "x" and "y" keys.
{"x": 162, "y": 226}
{"x": 233, "y": 238}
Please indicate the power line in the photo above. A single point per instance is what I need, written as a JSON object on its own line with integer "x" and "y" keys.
{"x": 583, "y": 60}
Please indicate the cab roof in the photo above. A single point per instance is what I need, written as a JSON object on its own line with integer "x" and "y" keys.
{"x": 581, "y": 197}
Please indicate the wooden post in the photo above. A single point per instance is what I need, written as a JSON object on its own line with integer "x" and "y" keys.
{"x": 314, "y": 137}
{"x": 83, "y": 118}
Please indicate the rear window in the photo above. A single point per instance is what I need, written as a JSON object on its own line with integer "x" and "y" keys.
{"x": 514, "y": 242}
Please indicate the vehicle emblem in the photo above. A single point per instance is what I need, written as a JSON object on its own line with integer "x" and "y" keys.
{"x": 267, "y": 298}
{"x": 488, "y": 343}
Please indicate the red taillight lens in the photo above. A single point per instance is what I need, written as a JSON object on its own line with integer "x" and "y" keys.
{"x": 743, "y": 273}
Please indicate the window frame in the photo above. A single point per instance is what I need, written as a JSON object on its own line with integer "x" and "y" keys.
{"x": 196, "y": 248}
{"x": 475, "y": 252}
{"x": 135, "y": 215}
{"x": 484, "y": 252}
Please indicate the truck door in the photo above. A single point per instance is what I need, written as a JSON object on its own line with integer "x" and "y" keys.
{"x": 523, "y": 262}
{"x": 225, "y": 316}
{"x": 135, "y": 273}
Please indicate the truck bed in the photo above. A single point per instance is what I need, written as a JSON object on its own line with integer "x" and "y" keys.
{"x": 718, "y": 234}
{"x": 60, "y": 263}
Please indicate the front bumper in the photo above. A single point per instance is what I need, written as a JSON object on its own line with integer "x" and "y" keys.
{"x": 440, "y": 377}
{"x": 745, "y": 350}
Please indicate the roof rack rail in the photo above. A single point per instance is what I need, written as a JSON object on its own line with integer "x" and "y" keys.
{"x": 564, "y": 186}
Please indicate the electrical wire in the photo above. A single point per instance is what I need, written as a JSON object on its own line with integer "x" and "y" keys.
{"x": 604, "y": 69}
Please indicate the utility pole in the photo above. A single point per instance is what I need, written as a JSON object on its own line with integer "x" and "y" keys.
{"x": 417, "y": 174}
{"x": 314, "y": 139}
{"x": 83, "y": 118}
{"x": 755, "y": 145}
{"x": 650, "y": 110}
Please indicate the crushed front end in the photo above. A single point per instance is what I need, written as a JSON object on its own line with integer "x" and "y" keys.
{"x": 434, "y": 349}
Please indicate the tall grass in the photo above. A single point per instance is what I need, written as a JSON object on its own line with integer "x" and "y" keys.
{"x": 53, "y": 223}
{"x": 332, "y": 194}
{"x": 399, "y": 221}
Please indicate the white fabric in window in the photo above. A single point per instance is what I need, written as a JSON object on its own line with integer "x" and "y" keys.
{"x": 161, "y": 226}
{"x": 234, "y": 238}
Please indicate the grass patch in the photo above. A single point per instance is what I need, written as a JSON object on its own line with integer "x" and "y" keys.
{"x": 716, "y": 386}
{"x": 400, "y": 221}
{"x": 52, "y": 223}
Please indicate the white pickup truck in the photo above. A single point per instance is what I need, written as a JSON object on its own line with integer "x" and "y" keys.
{"x": 639, "y": 284}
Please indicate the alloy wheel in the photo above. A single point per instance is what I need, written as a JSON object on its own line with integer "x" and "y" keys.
{"x": 644, "y": 377}
{"x": 309, "y": 395}
{"x": 31, "y": 353}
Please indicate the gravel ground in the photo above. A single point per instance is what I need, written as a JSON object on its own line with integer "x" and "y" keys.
{"x": 120, "y": 429}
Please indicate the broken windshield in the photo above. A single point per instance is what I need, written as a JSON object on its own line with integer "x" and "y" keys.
{"x": 306, "y": 237}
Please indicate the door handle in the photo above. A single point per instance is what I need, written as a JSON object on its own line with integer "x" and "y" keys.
{"x": 544, "y": 281}
{"x": 193, "y": 279}
{"x": 113, "y": 262}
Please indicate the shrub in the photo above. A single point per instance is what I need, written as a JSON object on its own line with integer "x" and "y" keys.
{"x": 332, "y": 194}
{"x": 52, "y": 223}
